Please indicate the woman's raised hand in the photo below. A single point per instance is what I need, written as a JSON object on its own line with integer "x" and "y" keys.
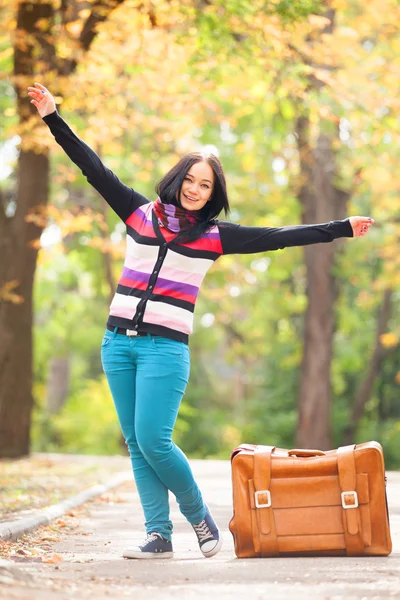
{"x": 360, "y": 225}
{"x": 42, "y": 99}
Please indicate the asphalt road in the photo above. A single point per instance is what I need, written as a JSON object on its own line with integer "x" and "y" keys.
{"x": 92, "y": 567}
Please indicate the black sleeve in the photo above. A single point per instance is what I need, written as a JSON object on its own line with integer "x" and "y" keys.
{"x": 122, "y": 199}
{"x": 237, "y": 239}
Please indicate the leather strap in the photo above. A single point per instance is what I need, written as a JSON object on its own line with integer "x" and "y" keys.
{"x": 265, "y": 531}
{"x": 351, "y": 516}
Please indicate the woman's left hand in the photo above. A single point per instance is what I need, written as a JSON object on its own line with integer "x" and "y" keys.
{"x": 360, "y": 225}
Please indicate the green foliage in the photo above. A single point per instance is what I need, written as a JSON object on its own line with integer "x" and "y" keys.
{"x": 241, "y": 89}
{"x": 295, "y": 11}
{"x": 387, "y": 433}
{"x": 87, "y": 424}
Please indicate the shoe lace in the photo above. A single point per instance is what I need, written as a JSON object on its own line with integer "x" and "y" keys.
{"x": 149, "y": 538}
{"x": 203, "y": 531}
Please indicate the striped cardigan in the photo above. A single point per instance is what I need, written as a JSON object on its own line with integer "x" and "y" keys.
{"x": 160, "y": 281}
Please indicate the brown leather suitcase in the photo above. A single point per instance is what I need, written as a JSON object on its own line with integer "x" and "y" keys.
{"x": 309, "y": 502}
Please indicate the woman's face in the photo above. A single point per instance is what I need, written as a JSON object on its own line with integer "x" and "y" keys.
{"x": 197, "y": 187}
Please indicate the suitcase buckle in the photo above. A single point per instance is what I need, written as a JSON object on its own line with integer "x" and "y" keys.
{"x": 349, "y": 499}
{"x": 261, "y": 504}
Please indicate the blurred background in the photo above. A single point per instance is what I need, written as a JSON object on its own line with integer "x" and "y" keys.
{"x": 300, "y": 100}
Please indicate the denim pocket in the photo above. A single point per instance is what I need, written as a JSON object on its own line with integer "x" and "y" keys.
{"x": 108, "y": 336}
{"x": 170, "y": 347}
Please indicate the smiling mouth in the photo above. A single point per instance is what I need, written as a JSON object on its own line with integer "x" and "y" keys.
{"x": 190, "y": 199}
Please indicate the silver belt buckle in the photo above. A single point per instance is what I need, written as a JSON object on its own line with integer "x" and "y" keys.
{"x": 131, "y": 332}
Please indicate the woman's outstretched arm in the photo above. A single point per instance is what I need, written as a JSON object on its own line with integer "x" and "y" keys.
{"x": 122, "y": 199}
{"x": 237, "y": 239}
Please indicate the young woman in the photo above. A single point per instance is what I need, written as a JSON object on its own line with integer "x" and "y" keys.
{"x": 171, "y": 244}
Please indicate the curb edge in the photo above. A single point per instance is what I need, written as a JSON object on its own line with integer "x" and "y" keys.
{"x": 12, "y": 530}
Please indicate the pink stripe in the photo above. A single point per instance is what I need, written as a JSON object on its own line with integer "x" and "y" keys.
{"x": 166, "y": 321}
{"x": 181, "y": 276}
{"x": 144, "y": 265}
{"x": 125, "y": 312}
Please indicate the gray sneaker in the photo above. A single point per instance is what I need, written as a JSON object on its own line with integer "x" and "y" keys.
{"x": 208, "y": 535}
{"x": 154, "y": 546}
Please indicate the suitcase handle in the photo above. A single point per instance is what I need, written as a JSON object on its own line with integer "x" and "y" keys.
{"x": 303, "y": 452}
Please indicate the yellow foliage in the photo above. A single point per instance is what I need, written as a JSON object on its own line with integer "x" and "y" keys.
{"x": 6, "y": 53}
{"x": 106, "y": 246}
{"x": 318, "y": 21}
{"x": 74, "y": 27}
{"x": 37, "y": 216}
{"x": 365, "y": 299}
{"x": 35, "y": 244}
{"x": 339, "y": 5}
{"x": 65, "y": 174}
{"x": 144, "y": 176}
{"x": 148, "y": 86}
{"x": 84, "y": 13}
{"x": 348, "y": 32}
{"x": 378, "y": 177}
{"x": 231, "y": 436}
{"x": 7, "y": 293}
{"x": 43, "y": 24}
{"x": 388, "y": 340}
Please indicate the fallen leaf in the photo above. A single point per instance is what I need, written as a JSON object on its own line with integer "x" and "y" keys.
{"x": 53, "y": 559}
{"x": 23, "y": 552}
{"x": 61, "y": 523}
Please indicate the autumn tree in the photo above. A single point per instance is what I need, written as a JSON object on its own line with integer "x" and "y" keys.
{"x": 327, "y": 187}
{"x": 323, "y": 77}
{"x": 53, "y": 38}
{"x": 267, "y": 84}
{"x": 49, "y": 37}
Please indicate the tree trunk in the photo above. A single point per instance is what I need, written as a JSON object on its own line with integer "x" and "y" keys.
{"x": 365, "y": 390}
{"x": 33, "y": 49}
{"x": 57, "y": 383}
{"x": 16, "y": 399}
{"x": 18, "y": 233}
{"x": 322, "y": 202}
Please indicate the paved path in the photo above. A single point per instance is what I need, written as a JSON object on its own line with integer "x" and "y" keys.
{"x": 92, "y": 567}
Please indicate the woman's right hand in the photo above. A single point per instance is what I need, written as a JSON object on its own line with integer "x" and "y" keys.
{"x": 42, "y": 99}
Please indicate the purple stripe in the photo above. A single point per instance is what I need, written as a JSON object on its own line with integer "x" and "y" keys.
{"x": 173, "y": 224}
{"x": 136, "y": 275}
{"x": 185, "y": 288}
{"x": 142, "y": 215}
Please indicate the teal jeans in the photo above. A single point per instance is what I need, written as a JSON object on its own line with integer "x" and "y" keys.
{"x": 147, "y": 377}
